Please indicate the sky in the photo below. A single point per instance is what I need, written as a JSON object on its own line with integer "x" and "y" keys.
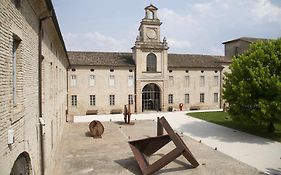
{"x": 190, "y": 26}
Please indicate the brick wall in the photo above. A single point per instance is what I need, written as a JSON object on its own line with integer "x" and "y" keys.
{"x": 22, "y": 23}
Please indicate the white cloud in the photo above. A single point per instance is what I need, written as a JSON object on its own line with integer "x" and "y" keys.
{"x": 182, "y": 44}
{"x": 267, "y": 11}
{"x": 94, "y": 41}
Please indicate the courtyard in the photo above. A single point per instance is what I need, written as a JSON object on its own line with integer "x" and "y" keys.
{"x": 226, "y": 152}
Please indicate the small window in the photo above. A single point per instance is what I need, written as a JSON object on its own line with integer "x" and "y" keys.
{"x": 216, "y": 97}
{"x": 216, "y": 71}
{"x": 171, "y": 80}
{"x": 92, "y": 100}
{"x": 92, "y": 80}
{"x": 111, "y": 80}
{"x": 73, "y": 80}
{"x": 130, "y": 80}
{"x": 111, "y": 70}
{"x": 92, "y": 70}
{"x": 130, "y": 70}
{"x": 216, "y": 81}
{"x": 236, "y": 51}
{"x": 186, "y": 98}
{"x": 111, "y": 100}
{"x": 15, "y": 56}
{"x": 187, "y": 81}
{"x": 17, "y": 3}
{"x": 151, "y": 63}
{"x": 186, "y": 71}
{"x": 170, "y": 71}
{"x": 73, "y": 69}
{"x": 170, "y": 99}
{"x": 74, "y": 100}
{"x": 130, "y": 99}
{"x": 202, "y": 81}
{"x": 202, "y": 97}
{"x": 202, "y": 71}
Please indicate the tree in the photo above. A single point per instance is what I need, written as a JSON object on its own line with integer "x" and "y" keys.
{"x": 253, "y": 87}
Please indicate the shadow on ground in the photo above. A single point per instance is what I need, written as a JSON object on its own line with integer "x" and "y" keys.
{"x": 132, "y": 165}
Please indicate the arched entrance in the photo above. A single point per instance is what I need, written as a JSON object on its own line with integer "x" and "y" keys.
{"x": 151, "y": 97}
{"x": 22, "y": 166}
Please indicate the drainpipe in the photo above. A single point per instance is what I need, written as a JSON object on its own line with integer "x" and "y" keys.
{"x": 221, "y": 88}
{"x": 67, "y": 95}
{"x": 41, "y": 121}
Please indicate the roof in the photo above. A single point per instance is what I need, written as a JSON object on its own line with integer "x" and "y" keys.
{"x": 55, "y": 21}
{"x": 151, "y": 7}
{"x": 115, "y": 59}
{"x": 195, "y": 61}
{"x": 118, "y": 59}
{"x": 247, "y": 39}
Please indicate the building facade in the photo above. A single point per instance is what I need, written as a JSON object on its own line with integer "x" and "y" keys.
{"x": 33, "y": 59}
{"x": 149, "y": 78}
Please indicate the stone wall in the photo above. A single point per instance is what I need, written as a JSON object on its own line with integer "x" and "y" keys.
{"x": 20, "y": 112}
{"x": 181, "y": 86}
{"x": 101, "y": 89}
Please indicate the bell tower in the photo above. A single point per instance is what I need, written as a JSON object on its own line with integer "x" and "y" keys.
{"x": 151, "y": 58}
{"x": 150, "y": 25}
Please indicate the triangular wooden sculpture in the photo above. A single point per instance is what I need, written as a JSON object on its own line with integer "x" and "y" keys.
{"x": 146, "y": 147}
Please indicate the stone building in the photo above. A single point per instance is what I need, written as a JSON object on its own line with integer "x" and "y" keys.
{"x": 239, "y": 46}
{"x": 149, "y": 78}
{"x": 33, "y": 59}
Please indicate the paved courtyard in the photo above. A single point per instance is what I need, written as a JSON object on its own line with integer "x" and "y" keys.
{"x": 81, "y": 154}
{"x": 261, "y": 153}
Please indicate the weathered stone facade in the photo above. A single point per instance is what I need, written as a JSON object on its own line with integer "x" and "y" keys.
{"x": 162, "y": 81}
{"x": 20, "y": 87}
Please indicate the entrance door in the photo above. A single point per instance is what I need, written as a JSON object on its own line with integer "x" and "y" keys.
{"x": 151, "y": 97}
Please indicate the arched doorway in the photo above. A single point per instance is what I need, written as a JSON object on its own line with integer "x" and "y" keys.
{"x": 151, "y": 97}
{"x": 22, "y": 166}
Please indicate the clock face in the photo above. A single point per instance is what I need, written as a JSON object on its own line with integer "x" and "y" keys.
{"x": 151, "y": 33}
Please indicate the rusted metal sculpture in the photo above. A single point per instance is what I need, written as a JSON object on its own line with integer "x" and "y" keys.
{"x": 96, "y": 129}
{"x": 146, "y": 147}
{"x": 127, "y": 115}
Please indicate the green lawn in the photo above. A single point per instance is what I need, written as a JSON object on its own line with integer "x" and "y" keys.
{"x": 222, "y": 118}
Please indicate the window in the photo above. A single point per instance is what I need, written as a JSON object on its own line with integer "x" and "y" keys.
{"x": 236, "y": 51}
{"x": 74, "y": 100}
{"x": 216, "y": 97}
{"x": 171, "y": 80}
{"x": 130, "y": 80}
{"x": 73, "y": 79}
{"x": 170, "y": 99}
{"x": 202, "y": 96}
{"x": 186, "y": 98}
{"x": 111, "y": 100}
{"x": 130, "y": 99}
{"x": 92, "y": 80}
{"x": 187, "y": 81}
{"x": 111, "y": 80}
{"x": 92, "y": 100}
{"x": 151, "y": 62}
{"x": 202, "y": 81}
{"x": 216, "y": 80}
{"x": 16, "y": 44}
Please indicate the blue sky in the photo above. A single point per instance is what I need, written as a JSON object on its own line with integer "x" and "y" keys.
{"x": 190, "y": 26}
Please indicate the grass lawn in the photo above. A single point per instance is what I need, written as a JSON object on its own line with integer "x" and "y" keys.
{"x": 222, "y": 118}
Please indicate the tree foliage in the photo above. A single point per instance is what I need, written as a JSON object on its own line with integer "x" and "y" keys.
{"x": 253, "y": 87}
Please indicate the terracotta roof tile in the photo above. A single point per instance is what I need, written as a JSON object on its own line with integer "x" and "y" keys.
{"x": 195, "y": 61}
{"x": 118, "y": 59}
{"x": 101, "y": 59}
